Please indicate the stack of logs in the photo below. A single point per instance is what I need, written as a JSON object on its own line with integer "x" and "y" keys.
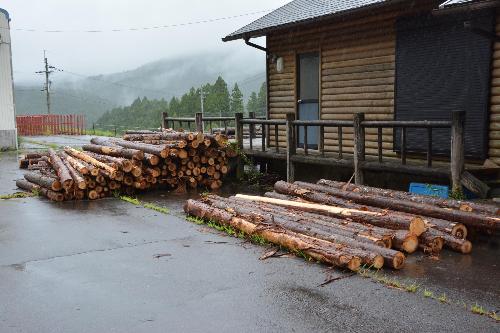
{"x": 139, "y": 161}
{"x": 348, "y": 225}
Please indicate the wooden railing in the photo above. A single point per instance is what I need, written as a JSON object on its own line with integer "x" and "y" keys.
{"x": 200, "y": 122}
{"x": 358, "y": 124}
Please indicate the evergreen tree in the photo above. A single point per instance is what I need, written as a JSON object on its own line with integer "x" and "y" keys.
{"x": 174, "y": 106}
{"x": 253, "y": 103}
{"x": 262, "y": 100}
{"x": 217, "y": 98}
{"x": 236, "y": 104}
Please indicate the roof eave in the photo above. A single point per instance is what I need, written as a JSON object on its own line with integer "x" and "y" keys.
{"x": 265, "y": 31}
{"x": 449, "y": 9}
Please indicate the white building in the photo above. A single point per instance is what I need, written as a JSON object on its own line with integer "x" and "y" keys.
{"x": 8, "y": 132}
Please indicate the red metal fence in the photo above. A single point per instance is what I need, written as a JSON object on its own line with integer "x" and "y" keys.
{"x": 53, "y": 124}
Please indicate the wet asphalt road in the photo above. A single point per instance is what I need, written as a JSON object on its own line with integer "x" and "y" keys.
{"x": 108, "y": 266}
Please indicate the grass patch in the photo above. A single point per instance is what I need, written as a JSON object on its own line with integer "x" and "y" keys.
{"x": 229, "y": 230}
{"x": 477, "y": 309}
{"x": 48, "y": 145}
{"x": 428, "y": 294}
{"x": 147, "y": 205}
{"x": 16, "y": 195}
{"x": 100, "y": 132}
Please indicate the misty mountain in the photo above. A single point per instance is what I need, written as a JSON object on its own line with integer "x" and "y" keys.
{"x": 74, "y": 93}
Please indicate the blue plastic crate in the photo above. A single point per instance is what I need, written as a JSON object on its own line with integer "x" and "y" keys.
{"x": 430, "y": 189}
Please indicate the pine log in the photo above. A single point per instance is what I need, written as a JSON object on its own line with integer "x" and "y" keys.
{"x": 78, "y": 179}
{"x": 466, "y": 206}
{"x": 77, "y": 164}
{"x": 119, "y": 162}
{"x": 371, "y": 254}
{"x": 105, "y": 147}
{"x": 382, "y": 218}
{"x": 357, "y": 231}
{"x": 44, "y": 181}
{"x": 151, "y": 159}
{"x": 34, "y": 188}
{"x": 450, "y": 242}
{"x": 158, "y": 150}
{"x": 90, "y": 160}
{"x": 469, "y": 219}
{"x": 61, "y": 169}
{"x": 431, "y": 243}
{"x": 293, "y": 241}
{"x": 401, "y": 240}
{"x": 456, "y": 229}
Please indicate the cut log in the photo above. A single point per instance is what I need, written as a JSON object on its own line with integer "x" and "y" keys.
{"x": 331, "y": 205}
{"x": 469, "y": 219}
{"x": 114, "y": 151}
{"x": 466, "y": 206}
{"x": 119, "y": 162}
{"x": 61, "y": 170}
{"x": 78, "y": 179}
{"x": 371, "y": 254}
{"x": 158, "y": 150}
{"x": 34, "y": 188}
{"x": 44, "y": 181}
{"x": 431, "y": 243}
{"x": 290, "y": 240}
{"x": 90, "y": 160}
{"x": 450, "y": 242}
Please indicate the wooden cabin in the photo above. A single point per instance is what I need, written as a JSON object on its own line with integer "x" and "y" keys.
{"x": 391, "y": 60}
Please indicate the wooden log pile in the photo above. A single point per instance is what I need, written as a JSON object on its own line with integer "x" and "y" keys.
{"x": 138, "y": 162}
{"x": 347, "y": 225}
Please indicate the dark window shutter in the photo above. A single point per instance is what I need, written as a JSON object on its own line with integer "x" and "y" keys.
{"x": 442, "y": 67}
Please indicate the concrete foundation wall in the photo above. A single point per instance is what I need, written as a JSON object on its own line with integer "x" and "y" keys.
{"x": 8, "y": 139}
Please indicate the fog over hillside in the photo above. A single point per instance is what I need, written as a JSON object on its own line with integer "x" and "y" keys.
{"x": 165, "y": 78}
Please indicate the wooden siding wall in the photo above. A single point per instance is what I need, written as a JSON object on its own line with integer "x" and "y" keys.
{"x": 494, "y": 132}
{"x": 357, "y": 60}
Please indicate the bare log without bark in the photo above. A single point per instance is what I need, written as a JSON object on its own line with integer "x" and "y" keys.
{"x": 90, "y": 160}
{"x": 293, "y": 241}
{"x": 78, "y": 179}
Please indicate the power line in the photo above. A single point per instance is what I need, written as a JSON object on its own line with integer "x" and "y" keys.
{"x": 142, "y": 28}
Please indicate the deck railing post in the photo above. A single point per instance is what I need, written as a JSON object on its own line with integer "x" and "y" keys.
{"x": 457, "y": 150}
{"x": 164, "y": 120}
{"x": 251, "y": 129}
{"x": 198, "y": 119}
{"x": 240, "y": 168}
{"x": 290, "y": 147}
{"x": 359, "y": 147}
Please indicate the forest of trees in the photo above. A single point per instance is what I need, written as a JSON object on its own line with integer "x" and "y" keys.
{"x": 218, "y": 100}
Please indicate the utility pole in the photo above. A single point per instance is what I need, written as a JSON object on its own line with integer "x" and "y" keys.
{"x": 47, "y": 71}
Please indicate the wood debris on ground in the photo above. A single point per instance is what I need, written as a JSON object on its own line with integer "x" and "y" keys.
{"x": 348, "y": 225}
{"x": 137, "y": 162}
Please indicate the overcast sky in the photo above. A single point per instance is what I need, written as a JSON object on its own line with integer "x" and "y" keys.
{"x": 108, "y": 52}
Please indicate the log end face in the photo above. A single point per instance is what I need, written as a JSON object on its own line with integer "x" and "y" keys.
{"x": 378, "y": 262}
{"x": 466, "y": 247}
{"x": 410, "y": 244}
{"x": 459, "y": 231}
{"x": 417, "y": 226}
{"x": 354, "y": 264}
{"x": 398, "y": 261}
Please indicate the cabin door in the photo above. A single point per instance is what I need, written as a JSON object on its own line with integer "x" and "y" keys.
{"x": 308, "y": 97}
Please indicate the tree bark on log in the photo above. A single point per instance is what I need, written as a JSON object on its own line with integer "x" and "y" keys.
{"x": 293, "y": 241}
{"x": 61, "y": 170}
{"x": 469, "y": 219}
{"x": 401, "y": 240}
{"x": 115, "y": 151}
{"x": 34, "y": 188}
{"x": 78, "y": 179}
{"x": 90, "y": 160}
{"x": 456, "y": 229}
{"x": 466, "y": 206}
{"x": 382, "y": 218}
{"x": 119, "y": 162}
{"x": 44, "y": 181}
{"x": 371, "y": 254}
{"x": 450, "y": 242}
